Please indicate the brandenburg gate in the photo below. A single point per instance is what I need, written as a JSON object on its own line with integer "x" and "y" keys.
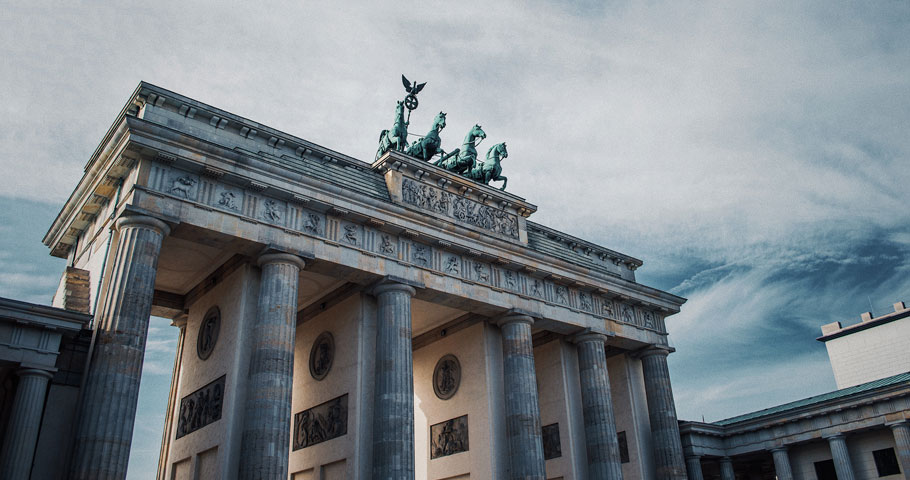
{"x": 341, "y": 319}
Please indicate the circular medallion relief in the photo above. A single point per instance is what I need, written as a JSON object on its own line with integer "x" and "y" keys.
{"x": 446, "y": 377}
{"x": 208, "y": 333}
{"x": 322, "y": 355}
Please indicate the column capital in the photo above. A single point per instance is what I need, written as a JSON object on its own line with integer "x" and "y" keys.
{"x": 133, "y": 220}
{"x": 693, "y": 457}
{"x": 898, "y": 424}
{"x": 393, "y": 287}
{"x": 726, "y": 460}
{"x": 781, "y": 448}
{"x": 834, "y": 436}
{"x": 514, "y": 318}
{"x": 589, "y": 337}
{"x": 274, "y": 257}
{"x": 27, "y": 371}
{"x": 650, "y": 350}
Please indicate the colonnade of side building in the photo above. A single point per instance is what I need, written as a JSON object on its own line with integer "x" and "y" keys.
{"x": 266, "y": 378}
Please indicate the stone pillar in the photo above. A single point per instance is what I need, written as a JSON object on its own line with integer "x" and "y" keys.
{"x": 782, "y": 463}
{"x": 522, "y": 411}
{"x": 393, "y": 401}
{"x": 668, "y": 455}
{"x": 265, "y": 443}
{"x": 111, "y": 390}
{"x": 164, "y": 453}
{"x": 842, "y": 465}
{"x": 693, "y": 465}
{"x": 24, "y": 422}
{"x": 901, "y": 432}
{"x": 597, "y": 407}
{"x": 726, "y": 469}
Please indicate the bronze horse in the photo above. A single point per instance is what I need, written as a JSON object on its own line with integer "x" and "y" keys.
{"x": 428, "y": 146}
{"x": 397, "y": 137}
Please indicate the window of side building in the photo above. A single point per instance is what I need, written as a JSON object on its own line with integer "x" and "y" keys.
{"x": 886, "y": 462}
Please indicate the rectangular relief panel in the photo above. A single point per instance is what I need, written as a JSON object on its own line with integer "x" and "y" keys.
{"x": 552, "y": 448}
{"x": 449, "y": 437}
{"x": 201, "y": 407}
{"x": 320, "y": 423}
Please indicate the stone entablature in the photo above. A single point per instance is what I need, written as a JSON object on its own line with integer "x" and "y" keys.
{"x": 868, "y": 409}
{"x": 301, "y": 216}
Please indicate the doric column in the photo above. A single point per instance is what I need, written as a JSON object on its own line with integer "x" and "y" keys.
{"x": 726, "y": 469}
{"x": 842, "y": 465}
{"x": 901, "y": 432}
{"x": 597, "y": 408}
{"x": 693, "y": 465}
{"x": 267, "y": 413}
{"x": 782, "y": 463}
{"x": 393, "y": 401}
{"x": 164, "y": 453}
{"x": 526, "y": 460}
{"x": 24, "y": 422}
{"x": 111, "y": 391}
{"x": 668, "y": 455}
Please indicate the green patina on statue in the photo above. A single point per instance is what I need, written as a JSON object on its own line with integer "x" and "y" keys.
{"x": 397, "y": 137}
{"x": 490, "y": 169}
{"x": 461, "y": 160}
{"x": 428, "y": 146}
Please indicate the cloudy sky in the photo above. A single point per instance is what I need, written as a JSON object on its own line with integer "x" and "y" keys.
{"x": 755, "y": 156}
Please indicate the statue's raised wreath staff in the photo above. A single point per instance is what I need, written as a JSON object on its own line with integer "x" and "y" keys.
{"x": 462, "y": 160}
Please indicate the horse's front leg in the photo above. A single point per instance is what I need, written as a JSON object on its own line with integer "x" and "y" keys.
{"x": 504, "y": 181}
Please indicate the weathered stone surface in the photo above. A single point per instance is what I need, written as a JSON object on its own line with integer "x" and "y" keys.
{"x": 668, "y": 455}
{"x": 782, "y": 463}
{"x": 841, "y": 457}
{"x": 523, "y": 427}
{"x": 24, "y": 422}
{"x": 111, "y": 389}
{"x": 393, "y": 407}
{"x": 267, "y": 418}
{"x": 901, "y": 432}
{"x": 597, "y": 407}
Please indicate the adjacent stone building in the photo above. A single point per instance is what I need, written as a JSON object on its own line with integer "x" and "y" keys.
{"x": 860, "y": 431}
{"x": 340, "y": 319}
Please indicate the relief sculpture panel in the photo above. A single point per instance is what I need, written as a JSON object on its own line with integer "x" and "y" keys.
{"x": 323, "y": 422}
{"x": 449, "y": 437}
{"x": 201, "y": 407}
{"x": 453, "y": 206}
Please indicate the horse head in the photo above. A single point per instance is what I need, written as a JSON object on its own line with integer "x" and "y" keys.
{"x": 399, "y": 110}
{"x": 497, "y": 152}
{"x": 440, "y": 121}
{"x": 475, "y": 132}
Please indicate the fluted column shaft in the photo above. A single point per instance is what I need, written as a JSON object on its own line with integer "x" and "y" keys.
{"x": 841, "y": 455}
{"x": 265, "y": 442}
{"x": 726, "y": 469}
{"x": 901, "y": 432}
{"x": 111, "y": 391}
{"x": 393, "y": 401}
{"x": 668, "y": 455}
{"x": 693, "y": 465}
{"x": 782, "y": 463}
{"x": 24, "y": 422}
{"x": 601, "y": 442}
{"x": 523, "y": 429}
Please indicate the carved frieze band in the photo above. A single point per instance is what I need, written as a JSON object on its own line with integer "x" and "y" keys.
{"x": 459, "y": 208}
{"x": 253, "y": 205}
